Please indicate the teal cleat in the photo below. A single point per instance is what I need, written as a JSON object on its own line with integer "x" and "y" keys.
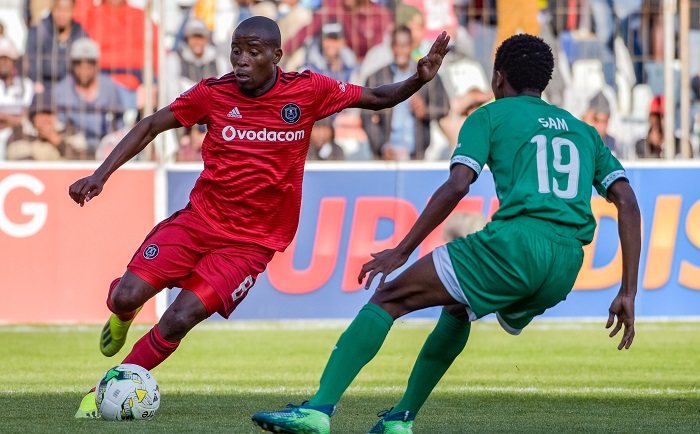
{"x": 397, "y": 423}
{"x": 88, "y": 407}
{"x": 297, "y": 419}
{"x": 113, "y": 336}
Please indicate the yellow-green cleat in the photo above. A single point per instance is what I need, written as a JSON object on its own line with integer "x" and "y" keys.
{"x": 113, "y": 334}
{"x": 88, "y": 408}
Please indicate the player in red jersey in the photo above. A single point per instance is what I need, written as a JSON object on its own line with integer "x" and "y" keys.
{"x": 245, "y": 204}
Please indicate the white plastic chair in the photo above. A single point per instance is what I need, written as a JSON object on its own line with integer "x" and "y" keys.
{"x": 588, "y": 73}
{"x": 641, "y": 101}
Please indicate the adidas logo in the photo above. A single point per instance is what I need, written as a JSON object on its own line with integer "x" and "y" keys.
{"x": 234, "y": 113}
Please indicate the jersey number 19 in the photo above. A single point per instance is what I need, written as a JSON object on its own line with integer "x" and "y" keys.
{"x": 572, "y": 168}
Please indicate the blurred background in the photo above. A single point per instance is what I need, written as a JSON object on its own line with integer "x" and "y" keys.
{"x": 76, "y": 74}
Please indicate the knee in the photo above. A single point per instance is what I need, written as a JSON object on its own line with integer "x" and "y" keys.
{"x": 176, "y": 323}
{"x": 126, "y": 297}
{"x": 396, "y": 307}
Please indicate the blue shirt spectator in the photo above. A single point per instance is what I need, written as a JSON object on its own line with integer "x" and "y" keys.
{"x": 331, "y": 56}
{"x": 48, "y": 45}
{"x": 86, "y": 99}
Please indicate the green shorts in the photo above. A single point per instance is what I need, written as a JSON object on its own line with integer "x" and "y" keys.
{"x": 515, "y": 268}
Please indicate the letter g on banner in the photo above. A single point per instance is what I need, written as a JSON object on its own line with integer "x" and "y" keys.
{"x": 37, "y": 210}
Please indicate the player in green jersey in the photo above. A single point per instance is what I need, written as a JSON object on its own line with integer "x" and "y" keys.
{"x": 544, "y": 163}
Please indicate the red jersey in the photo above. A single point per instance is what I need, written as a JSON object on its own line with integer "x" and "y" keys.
{"x": 255, "y": 149}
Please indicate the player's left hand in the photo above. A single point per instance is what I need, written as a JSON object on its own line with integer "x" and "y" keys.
{"x": 384, "y": 262}
{"x": 428, "y": 66}
{"x": 622, "y": 307}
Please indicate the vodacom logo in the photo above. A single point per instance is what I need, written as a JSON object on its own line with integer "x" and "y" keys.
{"x": 229, "y": 133}
{"x": 37, "y": 210}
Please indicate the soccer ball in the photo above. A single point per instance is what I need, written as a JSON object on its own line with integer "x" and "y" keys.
{"x": 127, "y": 392}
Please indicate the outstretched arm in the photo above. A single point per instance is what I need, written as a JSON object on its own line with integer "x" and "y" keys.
{"x": 134, "y": 142}
{"x": 629, "y": 228}
{"x": 445, "y": 199}
{"x": 389, "y": 95}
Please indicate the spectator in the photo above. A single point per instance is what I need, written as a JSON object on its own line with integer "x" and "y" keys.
{"x": 461, "y": 224}
{"x": 436, "y": 16}
{"x": 604, "y": 25}
{"x": 194, "y": 60}
{"x": 460, "y": 108}
{"x": 322, "y": 146}
{"x": 516, "y": 16}
{"x": 331, "y": 56}
{"x": 381, "y": 55}
{"x": 364, "y": 24}
{"x": 35, "y": 11}
{"x": 652, "y": 146}
{"x": 45, "y": 138}
{"x": 48, "y": 45}
{"x": 191, "y": 143}
{"x": 413, "y": 18}
{"x": 293, "y": 16}
{"x": 120, "y": 32}
{"x": 222, "y": 16}
{"x": 15, "y": 92}
{"x": 629, "y": 13}
{"x": 87, "y": 99}
{"x": 403, "y": 132}
{"x": 598, "y": 116}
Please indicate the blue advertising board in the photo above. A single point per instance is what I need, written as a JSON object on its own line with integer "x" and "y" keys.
{"x": 349, "y": 211}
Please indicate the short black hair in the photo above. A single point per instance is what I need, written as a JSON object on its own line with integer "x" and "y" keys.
{"x": 527, "y": 62}
{"x": 400, "y": 29}
{"x": 263, "y": 27}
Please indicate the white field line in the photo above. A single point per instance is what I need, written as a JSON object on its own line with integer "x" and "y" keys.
{"x": 582, "y": 391}
{"x": 676, "y": 324}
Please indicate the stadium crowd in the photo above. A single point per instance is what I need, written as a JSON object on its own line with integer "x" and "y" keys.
{"x": 71, "y": 85}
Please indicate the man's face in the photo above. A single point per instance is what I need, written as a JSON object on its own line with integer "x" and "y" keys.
{"x": 599, "y": 121}
{"x": 417, "y": 26}
{"x": 331, "y": 47}
{"x": 197, "y": 44}
{"x": 45, "y": 124}
{"x": 401, "y": 46}
{"x": 84, "y": 72}
{"x": 321, "y": 134}
{"x": 253, "y": 60}
{"x": 62, "y": 13}
{"x": 7, "y": 67}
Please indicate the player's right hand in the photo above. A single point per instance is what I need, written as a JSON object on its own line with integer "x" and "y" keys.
{"x": 85, "y": 189}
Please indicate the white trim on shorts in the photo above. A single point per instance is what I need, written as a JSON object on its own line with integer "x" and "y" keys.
{"x": 511, "y": 330}
{"x": 446, "y": 273}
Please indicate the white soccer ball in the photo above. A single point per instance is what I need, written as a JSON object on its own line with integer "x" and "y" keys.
{"x": 127, "y": 392}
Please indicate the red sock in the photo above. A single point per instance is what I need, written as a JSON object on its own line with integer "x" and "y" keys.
{"x": 151, "y": 350}
{"x": 124, "y": 316}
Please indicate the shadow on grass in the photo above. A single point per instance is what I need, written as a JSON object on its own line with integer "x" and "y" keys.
{"x": 444, "y": 413}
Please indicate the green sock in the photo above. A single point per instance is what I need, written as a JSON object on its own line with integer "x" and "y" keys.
{"x": 355, "y": 348}
{"x": 439, "y": 351}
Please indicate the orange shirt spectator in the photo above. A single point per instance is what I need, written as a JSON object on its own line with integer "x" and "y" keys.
{"x": 120, "y": 32}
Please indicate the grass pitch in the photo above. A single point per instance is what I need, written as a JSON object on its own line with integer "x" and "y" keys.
{"x": 556, "y": 377}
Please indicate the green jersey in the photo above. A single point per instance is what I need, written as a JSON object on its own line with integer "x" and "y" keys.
{"x": 544, "y": 162}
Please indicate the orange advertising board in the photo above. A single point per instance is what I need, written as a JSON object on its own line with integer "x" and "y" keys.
{"x": 56, "y": 258}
